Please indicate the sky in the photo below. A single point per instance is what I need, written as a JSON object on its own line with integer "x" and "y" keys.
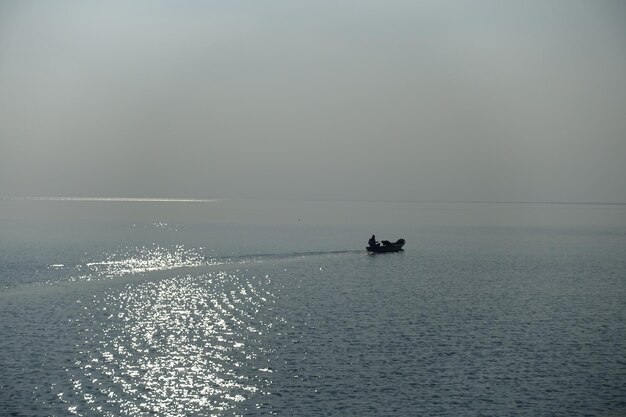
{"x": 421, "y": 100}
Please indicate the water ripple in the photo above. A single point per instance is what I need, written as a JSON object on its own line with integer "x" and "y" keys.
{"x": 188, "y": 345}
{"x": 146, "y": 259}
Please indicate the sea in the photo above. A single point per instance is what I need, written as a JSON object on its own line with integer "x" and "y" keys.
{"x": 160, "y": 307}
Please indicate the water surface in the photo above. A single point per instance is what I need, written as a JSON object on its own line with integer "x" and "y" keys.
{"x": 251, "y": 308}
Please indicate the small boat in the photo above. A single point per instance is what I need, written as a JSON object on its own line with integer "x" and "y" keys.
{"x": 387, "y": 246}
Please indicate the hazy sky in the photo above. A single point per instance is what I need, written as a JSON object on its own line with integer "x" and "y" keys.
{"x": 342, "y": 99}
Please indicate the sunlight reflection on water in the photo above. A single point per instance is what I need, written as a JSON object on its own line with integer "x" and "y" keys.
{"x": 145, "y": 259}
{"x": 179, "y": 346}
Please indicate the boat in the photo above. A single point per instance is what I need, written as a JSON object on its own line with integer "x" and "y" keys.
{"x": 387, "y": 246}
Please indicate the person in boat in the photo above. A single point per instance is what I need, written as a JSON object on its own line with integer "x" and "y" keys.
{"x": 372, "y": 242}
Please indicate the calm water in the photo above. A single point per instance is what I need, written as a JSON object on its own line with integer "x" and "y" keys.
{"x": 256, "y": 308}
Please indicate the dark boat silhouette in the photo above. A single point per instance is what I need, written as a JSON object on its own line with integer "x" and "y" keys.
{"x": 387, "y": 246}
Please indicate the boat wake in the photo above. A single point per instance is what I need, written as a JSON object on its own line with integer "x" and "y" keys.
{"x": 143, "y": 260}
{"x": 283, "y": 256}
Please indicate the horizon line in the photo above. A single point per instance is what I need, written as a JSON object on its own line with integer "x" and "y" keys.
{"x": 212, "y": 200}
{"x": 113, "y": 199}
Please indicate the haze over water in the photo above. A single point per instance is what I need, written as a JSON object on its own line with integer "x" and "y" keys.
{"x": 353, "y": 100}
{"x": 187, "y": 189}
{"x": 255, "y": 307}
